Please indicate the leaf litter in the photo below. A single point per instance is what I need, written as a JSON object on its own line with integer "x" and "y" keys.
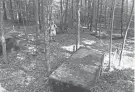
{"x": 17, "y": 80}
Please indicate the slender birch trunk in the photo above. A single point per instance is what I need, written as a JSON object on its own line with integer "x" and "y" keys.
{"x": 122, "y": 8}
{"x": 112, "y": 23}
{"x": 125, "y": 35}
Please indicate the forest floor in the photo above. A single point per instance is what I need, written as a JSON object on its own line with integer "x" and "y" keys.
{"x": 30, "y": 73}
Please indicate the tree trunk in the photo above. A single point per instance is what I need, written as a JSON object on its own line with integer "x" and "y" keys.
{"x": 11, "y": 9}
{"x": 127, "y": 12}
{"x": 91, "y": 20}
{"x": 39, "y": 14}
{"x": 110, "y": 17}
{"x": 105, "y": 13}
{"x": 2, "y": 32}
{"x": 112, "y": 24}
{"x": 37, "y": 17}
{"x": 72, "y": 9}
{"x": 65, "y": 21}
{"x": 42, "y": 15}
{"x": 81, "y": 3}
{"x": 63, "y": 2}
{"x": 122, "y": 8}
{"x": 37, "y": 20}
{"x": 97, "y": 16}
{"x": 61, "y": 8}
{"x": 18, "y": 7}
{"x": 125, "y": 35}
{"x": 69, "y": 4}
{"x": 46, "y": 34}
{"x": 100, "y": 19}
{"x": 86, "y": 7}
{"x": 89, "y": 9}
{"x": 26, "y": 34}
{"x": 78, "y": 22}
{"x": 4, "y": 8}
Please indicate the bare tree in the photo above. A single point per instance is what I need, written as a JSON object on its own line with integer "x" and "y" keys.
{"x": 61, "y": 9}
{"x": 18, "y": 13}
{"x": 127, "y": 12}
{"x": 92, "y": 14}
{"x": 11, "y": 9}
{"x": 97, "y": 15}
{"x": 26, "y": 34}
{"x": 89, "y": 8}
{"x": 86, "y": 7}
{"x": 72, "y": 9}
{"x": 110, "y": 16}
{"x": 65, "y": 21}
{"x": 112, "y": 24}
{"x": 37, "y": 17}
{"x": 100, "y": 18}
{"x": 125, "y": 35}
{"x": 39, "y": 14}
{"x": 4, "y": 8}
{"x": 78, "y": 22}
{"x": 81, "y": 2}
{"x": 122, "y": 8}
{"x": 2, "y": 32}
{"x": 105, "y": 13}
{"x": 46, "y": 14}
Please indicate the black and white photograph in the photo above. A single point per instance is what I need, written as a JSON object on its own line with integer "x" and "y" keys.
{"x": 67, "y": 46}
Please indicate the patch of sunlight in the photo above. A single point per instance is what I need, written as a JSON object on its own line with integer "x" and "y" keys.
{"x": 20, "y": 57}
{"x": 21, "y": 34}
{"x": 88, "y": 42}
{"x": 125, "y": 51}
{"x": 70, "y": 47}
{"x": 117, "y": 35}
{"x": 84, "y": 27}
{"x": 96, "y": 50}
{"x": 2, "y": 89}
{"x": 133, "y": 38}
{"x": 126, "y": 63}
{"x": 130, "y": 41}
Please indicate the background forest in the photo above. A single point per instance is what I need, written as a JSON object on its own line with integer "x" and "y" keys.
{"x": 28, "y": 58}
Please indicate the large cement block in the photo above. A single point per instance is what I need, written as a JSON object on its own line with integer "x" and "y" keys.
{"x": 81, "y": 70}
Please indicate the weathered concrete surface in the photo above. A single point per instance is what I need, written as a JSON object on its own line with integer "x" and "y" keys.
{"x": 81, "y": 70}
{"x": 83, "y": 52}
